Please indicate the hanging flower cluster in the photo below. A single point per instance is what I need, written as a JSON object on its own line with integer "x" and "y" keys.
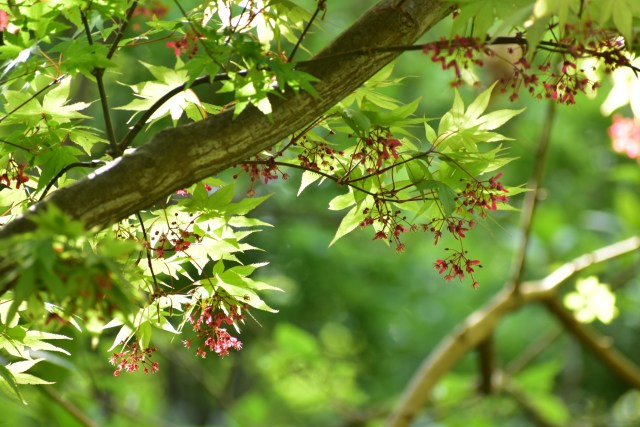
{"x": 132, "y": 357}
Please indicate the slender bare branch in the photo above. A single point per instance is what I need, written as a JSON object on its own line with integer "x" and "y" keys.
{"x": 69, "y": 407}
{"x": 520, "y": 396}
{"x": 531, "y": 352}
{"x": 560, "y": 275}
{"x": 322, "y": 5}
{"x": 601, "y": 346}
{"x": 31, "y": 98}
{"x": 98, "y": 73}
{"x": 121, "y": 29}
{"x": 90, "y": 164}
{"x": 531, "y": 199}
{"x": 545, "y": 45}
{"x": 480, "y": 324}
{"x": 487, "y": 366}
{"x": 139, "y": 124}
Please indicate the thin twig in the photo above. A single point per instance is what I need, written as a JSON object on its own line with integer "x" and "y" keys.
{"x": 549, "y": 46}
{"x": 85, "y": 24}
{"x": 98, "y": 74}
{"x": 69, "y": 407}
{"x": 91, "y": 164}
{"x": 531, "y": 199}
{"x": 147, "y": 250}
{"x": 538, "y": 416}
{"x": 32, "y": 97}
{"x": 531, "y": 352}
{"x": 139, "y": 125}
{"x": 4, "y": 141}
{"x": 337, "y": 180}
{"x": 561, "y": 274}
{"x": 321, "y": 6}
{"x": 121, "y": 29}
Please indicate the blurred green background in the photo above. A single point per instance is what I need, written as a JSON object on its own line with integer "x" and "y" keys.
{"x": 357, "y": 319}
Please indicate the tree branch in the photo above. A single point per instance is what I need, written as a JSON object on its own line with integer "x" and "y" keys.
{"x": 322, "y": 6}
{"x": 139, "y": 124}
{"x": 536, "y": 414}
{"x": 481, "y": 323}
{"x": 69, "y": 407}
{"x": 91, "y": 164}
{"x": 487, "y": 366}
{"x": 601, "y": 346}
{"x": 544, "y": 45}
{"x": 98, "y": 73}
{"x": 121, "y": 29}
{"x": 31, "y": 98}
{"x": 177, "y": 157}
{"x": 531, "y": 199}
{"x": 531, "y": 352}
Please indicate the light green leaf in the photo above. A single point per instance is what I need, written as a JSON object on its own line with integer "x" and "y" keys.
{"x": 623, "y": 19}
{"x": 54, "y": 104}
{"x": 496, "y": 119}
{"x": 263, "y": 105}
{"x": 34, "y": 339}
{"x": 123, "y": 335}
{"x": 418, "y": 171}
{"x": 356, "y": 120}
{"x": 22, "y": 366}
{"x": 342, "y": 201}
{"x": 479, "y": 105}
{"x": 246, "y": 294}
{"x": 351, "y": 220}
{"x": 386, "y": 119}
{"x": 430, "y": 133}
{"x": 144, "y": 334}
{"x": 244, "y": 206}
{"x": 457, "y": 110}
{"x": 53, "y": 161}
{"x": 8, "y": 379}
{"x": 447, "y": 198}
{"x": 28, "y": 379}
{"x": 308, "y": 178}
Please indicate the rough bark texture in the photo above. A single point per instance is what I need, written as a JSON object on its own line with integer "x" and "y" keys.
{"x": 178, "y": 157}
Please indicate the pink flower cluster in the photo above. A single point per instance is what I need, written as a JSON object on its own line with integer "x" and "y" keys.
{"x": 456, "y": 265}
{"x": 177, "y": 240}
{"x": 456, "y": 54}
{"x": 389, "y": 224}
{"x": 267, "y": 171}
{"x": 15, "y": 172}
{"x": 375, "y": 148}
{"x": 132, "y": 357}
{"x": 207, "y": 326}
{"x": 482, "y": 196}
{"x": 186, "y": 44}
{"x": 317, "y": 155}
{"x": 625, "y": 136}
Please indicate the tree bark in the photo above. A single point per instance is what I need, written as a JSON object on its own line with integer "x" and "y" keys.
{"x": 178, "y": 157}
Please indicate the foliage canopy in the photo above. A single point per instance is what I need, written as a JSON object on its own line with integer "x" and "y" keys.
{"x": 135, "y": 137}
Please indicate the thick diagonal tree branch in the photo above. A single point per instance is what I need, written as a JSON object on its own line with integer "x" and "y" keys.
{"x": 178, "y": 157}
